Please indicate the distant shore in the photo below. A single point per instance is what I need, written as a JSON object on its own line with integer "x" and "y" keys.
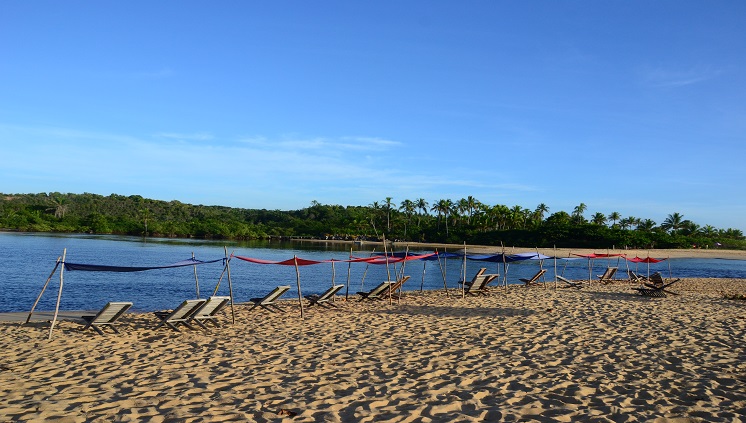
{"x": 560, "y": 252}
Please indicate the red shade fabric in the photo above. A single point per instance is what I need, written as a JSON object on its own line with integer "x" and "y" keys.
{"x": 644, "y": 260}
{"x": 595, "y": 255}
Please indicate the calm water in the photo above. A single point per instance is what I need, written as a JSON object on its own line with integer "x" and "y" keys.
{"x": 26, "y": 260}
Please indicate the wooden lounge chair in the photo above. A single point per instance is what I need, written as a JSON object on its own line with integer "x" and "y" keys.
{"x": 656, "y": 287}
{"x": 268, "y": 302}
{"x": 181, "y": 315}
{"x": 534, "y": 279}
{"x": 479, "y": 273}
{"x": 395, "y": 286}
{"x": 479, "y": 285}
{"x": 108, "y": 315}
{"x": 376, "y": 293}
{"x": 569, "y": 283}
{"x": 634, "y": 277}
{"x": 325, "y": 299}
{"x": 608, "y": 275}
{"x": 209, "y": 310}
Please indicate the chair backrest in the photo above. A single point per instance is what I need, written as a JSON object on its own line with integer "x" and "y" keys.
{"x": 609, "y": 273}
{"x": 479, "y": 273}
{"x": 656, "y": 279}
{"x": 111, "y": 312}
{"x": 378, "y": 290}
{"x": 185, "y": 310}
{"x": 275, "y": 294}
{"x": 479, "y": 283}
{"x": 330, "y": 292}
{"x": 398, "y": 284}
{"x": 538, "y": 274}
{"x": 212, "y": 306}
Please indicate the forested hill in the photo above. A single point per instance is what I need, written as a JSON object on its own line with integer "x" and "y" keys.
{"x": 466, "y": 220}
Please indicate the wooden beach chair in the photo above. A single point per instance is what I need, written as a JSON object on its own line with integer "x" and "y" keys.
{"x": 569, "y": 283}
{"x": 180, "y": 315}
{"x": 268, "y": 302}
{"x": 534, "y": 280}
{"x": 395, "y": 286}
{"x": 634, "y": 277}
{"x": 479, "y": 285}
{"x": 209, "y": 310}
{"x": 657, "y": 287}
{"x": 325, "y": 299}
{"x": 375, "y": 293}
{"x": 608, "y": 275}
{"x": 479, "y": 273}
{"x": 108, "y": 316}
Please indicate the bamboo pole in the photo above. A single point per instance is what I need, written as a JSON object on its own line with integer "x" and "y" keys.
{"x": 554, "y": 253}
{"x": 349, "y": 268}
{"x": 196, "y": 279}
{"x": 442, "y": 273}
{"x": 505, "y": 268}
{"x": 388, "y": 271}
{"x": 59, "y": 294}
{"x": 463, "y": 274}
{"x": 57, "y": 263}
{"x": 230, "y": 283}
{"x": 297, "y": 281}
{"x": 362, "y": 281}
{"x": 422, "y": 283}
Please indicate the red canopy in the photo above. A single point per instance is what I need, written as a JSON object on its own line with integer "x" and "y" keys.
{"x": 595, "y": 255}
{"x": 644, "y": 260}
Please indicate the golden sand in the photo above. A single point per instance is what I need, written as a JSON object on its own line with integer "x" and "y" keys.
{"x": 601, "y": 353}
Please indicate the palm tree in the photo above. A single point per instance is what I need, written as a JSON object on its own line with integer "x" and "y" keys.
{"x": 374, "y": 215}
{"x": 472, "y": 204}
{"x": 59, "y": 206}
{"x": 420, "y": 204}
{"x": 577, "y": 213}
{"x": 443, "y": 208}
{"x": 407, "y": 206}
{"x": 613, "y": 217}
{"x": 598, "y": 219}
{"x": 673, "y": 222}
{"x": 646, "y": 225}
{"x": 540, "y": 211}
{"x": 387, "y": 203}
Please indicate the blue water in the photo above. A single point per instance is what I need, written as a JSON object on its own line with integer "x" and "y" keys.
{"x": 26, "y": 261}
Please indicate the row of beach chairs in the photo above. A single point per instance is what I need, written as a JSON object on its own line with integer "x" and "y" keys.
{"x": 203, "y": 311}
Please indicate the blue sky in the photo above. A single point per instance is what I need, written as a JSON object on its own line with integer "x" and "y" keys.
{"x": 637, "y": 107}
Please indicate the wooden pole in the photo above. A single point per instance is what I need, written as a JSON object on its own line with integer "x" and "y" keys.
{"x": 442, "y": 273}
{"x": 43, "y": 289}
{"x": 463, "y": 274}
{"x": 196, "y": 279}
{"x": 297, "y": 281}
{"x": 59, "y": 294}
{"x": 230, "y": 283}
{"x": 362, "y": 281}
{"x": 505, "y": 268}
{"x": 422, "y": 284}
{"x": 388, "y": 272}
{"x": 349, "y": 265}
{"x": 555, "y": 266}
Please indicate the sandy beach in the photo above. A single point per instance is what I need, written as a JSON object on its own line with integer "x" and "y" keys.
{"x": 600, "y": 353}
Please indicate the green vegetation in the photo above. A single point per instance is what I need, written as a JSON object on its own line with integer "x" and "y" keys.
{"x": 444, "y": 220}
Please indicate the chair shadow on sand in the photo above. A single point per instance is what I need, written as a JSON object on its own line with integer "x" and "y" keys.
{"x": 446, "y": 311}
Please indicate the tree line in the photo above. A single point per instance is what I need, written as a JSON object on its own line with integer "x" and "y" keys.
{"x": 466, "y": 220}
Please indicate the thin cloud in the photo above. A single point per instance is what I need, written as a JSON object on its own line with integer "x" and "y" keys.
{"x": 199, "y": 136}
{"x": 679, "y": 78}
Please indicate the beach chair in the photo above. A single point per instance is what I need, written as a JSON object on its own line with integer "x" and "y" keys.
{"x": 479, "y": 273}
{"x": 657, "y": 287}
{"x": 569, "y": 283}
{"x": 108, "y": 315}
{"x": 395, "y": 286}
{"x": 268, "y": 302}
{"x": 608, "y": 275}
{"x": 209, "y": 310}
{"x": 375, "y": 293}
{"x": 634, "y": 277}
{"x": 180, "y": 315}
{"x": 479, "y": 285}
{"x": 325, "y": 299}
{"x": 534, "y": 280}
